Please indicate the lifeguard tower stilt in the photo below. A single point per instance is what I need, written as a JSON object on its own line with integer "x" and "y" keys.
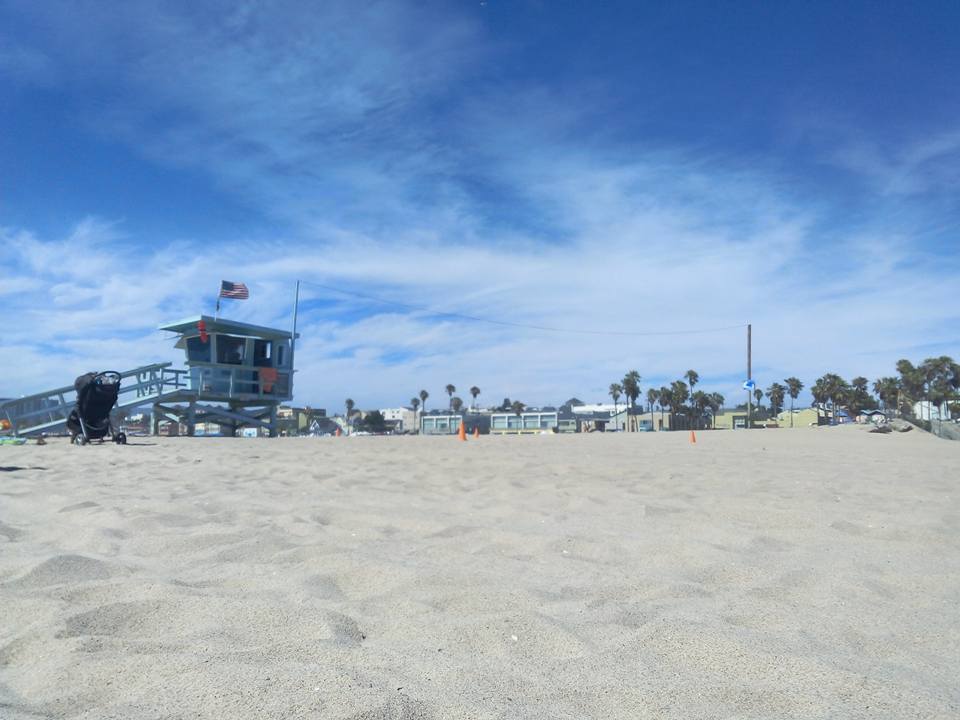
{"x": 237, "y": 375}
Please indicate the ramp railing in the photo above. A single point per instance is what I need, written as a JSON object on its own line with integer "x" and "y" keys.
{"x": 47, "y": 411}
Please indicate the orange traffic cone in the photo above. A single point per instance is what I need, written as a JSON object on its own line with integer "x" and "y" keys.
{"x": 693, "y": 438}
{"x": 476, "y": 432}
{"x": 462, "y": 434}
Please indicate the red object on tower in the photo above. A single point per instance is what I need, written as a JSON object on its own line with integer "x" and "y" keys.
{"x": 202, "y": 327}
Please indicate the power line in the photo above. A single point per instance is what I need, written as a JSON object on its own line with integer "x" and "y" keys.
{"x": 508, "y": 323}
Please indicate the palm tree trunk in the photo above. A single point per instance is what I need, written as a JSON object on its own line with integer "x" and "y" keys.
{"x": 791, "y": 409}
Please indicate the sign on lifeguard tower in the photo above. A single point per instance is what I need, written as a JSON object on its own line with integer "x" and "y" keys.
{"x": 247, "y": 369}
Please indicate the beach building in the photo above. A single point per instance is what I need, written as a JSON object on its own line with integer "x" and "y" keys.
{"x": 731, "y": 420}
{"x": 628, "y": 420}
{"x": 567, "y": 421}
{"x": 802, "y": 417}
{"x": 532, "y": 421}
{"x": 926, "y": 410}
{"x": 443, "y": 422}
{"x": 297, "y": 420}
{"x": 440, "y": 423}
{"x": 596, "y": 408}
{"x": 401, "y": 420}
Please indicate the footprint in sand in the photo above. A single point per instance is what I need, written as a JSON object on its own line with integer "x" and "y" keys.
{"x": 324, "y": 587}
{"x": 10, "y": 533}
{"x": 454, "y": 531}
{"x": 67, "y": 569}
{"x": 401, "y": 708}
{"x": 79, "y": 506}
{"x": 120, "y": 619}
{"x": 848, "y": 527}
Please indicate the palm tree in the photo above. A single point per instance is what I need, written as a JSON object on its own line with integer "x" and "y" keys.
{"x": 415, "y": 403}
{"x": 776, "y": 393}
{"x": 450, "y": 391}
{"x": 758, "y": 394}
{"x": 911, "y": 380}
{"x": 652, "y": 397}
{"x": 474, "y": 391}
{"x": 423, "y": 402}
{"x": 716, "y": 404}
{"x": 679, "y": 394}
{"x": 692, "y": 379}
{"x": 886, "y": 388}
{"x": 665, "y": 400}
{"x": 631, "y": 388}
{"x": 615, "y": 390}
{"x": 349, "y": 405}
{"x": 456, "y": 403}
{"x": 942, "y": 378}
{"x": 860, "y": 396}
{"x": 517, "y": 407}
{"x": 834, "y": 388}
{"x": 794, "y": 386}
{"x": 819, "y": 392}
{"x": 699, "y": 402}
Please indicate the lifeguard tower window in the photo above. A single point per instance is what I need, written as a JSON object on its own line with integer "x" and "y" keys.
{"x": 261, "y": 353}
{"x": 230, "y": 350}
{"x": 197, "y": 350}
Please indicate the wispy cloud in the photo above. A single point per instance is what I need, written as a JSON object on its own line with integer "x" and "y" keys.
{"x": 919, "y": 167}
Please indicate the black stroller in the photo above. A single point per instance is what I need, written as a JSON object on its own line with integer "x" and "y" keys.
{"x": 90, "y": 419}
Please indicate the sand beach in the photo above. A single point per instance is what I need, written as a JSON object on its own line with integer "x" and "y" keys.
{"x": 811, "y": 573}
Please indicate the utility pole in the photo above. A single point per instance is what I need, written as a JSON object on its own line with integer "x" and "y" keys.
{"x": 749, "y": 378}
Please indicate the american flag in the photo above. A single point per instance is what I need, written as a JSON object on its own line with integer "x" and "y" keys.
{"x": 234, "y": 291}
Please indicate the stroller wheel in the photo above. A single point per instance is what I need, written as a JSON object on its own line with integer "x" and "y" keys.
{"x": 120, "y": 439}
{"x": 80, "y": 440}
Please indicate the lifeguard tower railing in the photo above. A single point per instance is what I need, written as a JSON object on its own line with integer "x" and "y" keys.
{"x": 48, "y": 411}
{"x": 221, "y": 381}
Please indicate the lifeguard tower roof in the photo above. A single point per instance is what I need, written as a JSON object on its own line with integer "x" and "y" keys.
{"x": 227, "y": 327}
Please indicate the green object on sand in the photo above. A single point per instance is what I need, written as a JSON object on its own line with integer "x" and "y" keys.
{"x": 12, "y": 441}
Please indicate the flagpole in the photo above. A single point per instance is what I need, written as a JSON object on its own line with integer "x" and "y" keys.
{"x": 216, "y": 315}
{"x": 293, "y": 337}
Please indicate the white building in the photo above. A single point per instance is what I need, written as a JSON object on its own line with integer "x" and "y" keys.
{"x": 598, "y": 408}
{"x": 926, "y": 410}
{"x": 405, "y": 417}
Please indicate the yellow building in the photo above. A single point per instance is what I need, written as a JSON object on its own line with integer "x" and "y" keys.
{"x": 804, "y": 417}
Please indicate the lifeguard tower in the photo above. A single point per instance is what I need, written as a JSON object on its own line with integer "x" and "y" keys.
{"x": 237, "y": 375}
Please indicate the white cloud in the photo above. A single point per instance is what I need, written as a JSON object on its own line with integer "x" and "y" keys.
{"x": 624, "y": 271}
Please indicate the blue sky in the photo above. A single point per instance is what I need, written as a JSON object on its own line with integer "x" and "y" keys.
{"x": 611, "y": 166}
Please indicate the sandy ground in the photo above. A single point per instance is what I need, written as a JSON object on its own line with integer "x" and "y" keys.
{"x": 810, "y": 573}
